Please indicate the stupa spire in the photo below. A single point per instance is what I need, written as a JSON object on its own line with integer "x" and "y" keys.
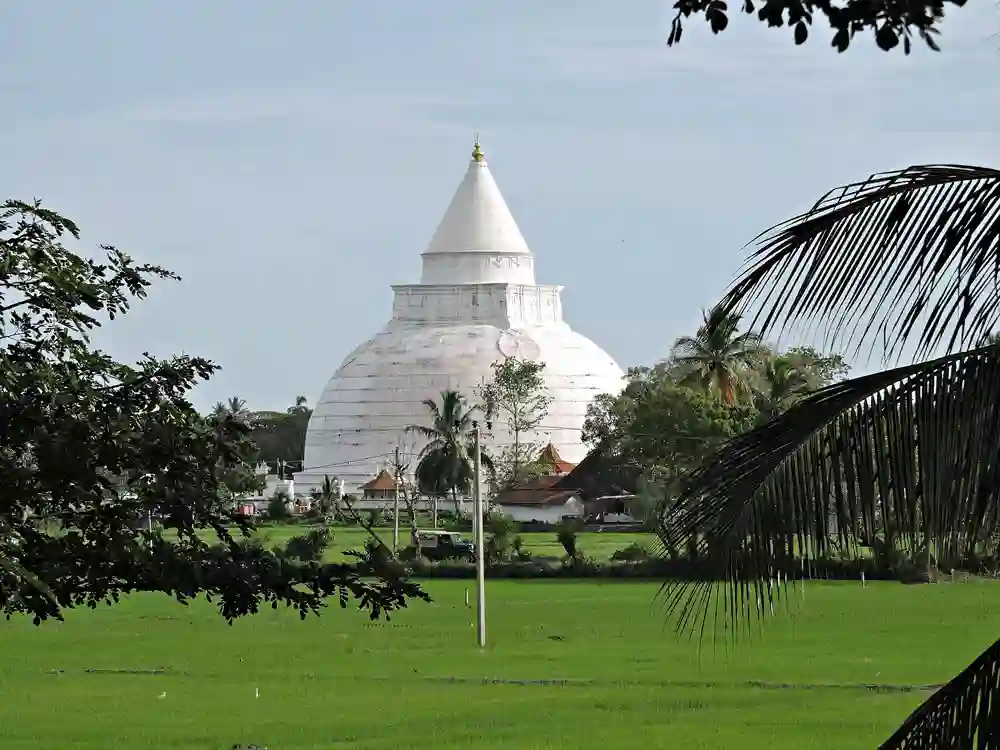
{"x": 479, "y": 228}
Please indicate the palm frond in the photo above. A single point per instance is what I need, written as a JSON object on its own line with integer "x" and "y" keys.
{"x": 962, "y": 714}
{"x": 428, "y": 432}
{"x": 909, "y": 256}
{"x": 912, "y": 450}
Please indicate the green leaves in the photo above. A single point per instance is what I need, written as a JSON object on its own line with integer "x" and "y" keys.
{"x": 445, "y": 463}
{"x": 517, "y": 394}
{"x": 719, "y": 357}
{"x": 93, "y": 450}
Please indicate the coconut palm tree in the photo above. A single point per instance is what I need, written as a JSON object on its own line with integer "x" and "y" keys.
{"x": 718, "y": 357}
{"x": 445, "y": 464}
{"x": 907, "y": 261}
{"x": 327, "y": 498}
{"x": 780, "y": 382}
{"x": 235, "y": 407}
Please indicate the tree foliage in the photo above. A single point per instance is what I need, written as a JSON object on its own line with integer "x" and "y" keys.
{"x": 280, "y": 437}
{"x": 721, "y": 383}
{"x": 662, "y": 425}
{"x": 445, "y": 464}
{"x": 890, "y": 23}
{"x": 92, "y": 448}
{"x": 719, "y": 356}
{"x": 783, "y": 379}
{"x": 516, "y": 394}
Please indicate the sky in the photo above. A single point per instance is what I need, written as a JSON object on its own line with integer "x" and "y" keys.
{"x": 291, "y": 160}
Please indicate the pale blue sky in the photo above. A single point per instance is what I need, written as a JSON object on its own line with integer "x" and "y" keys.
{"x": 291, "y": 160}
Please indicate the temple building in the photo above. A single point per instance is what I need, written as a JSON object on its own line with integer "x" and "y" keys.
{"x": 477, "y": 302}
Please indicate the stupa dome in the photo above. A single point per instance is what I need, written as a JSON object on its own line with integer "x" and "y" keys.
{"x": 477, "y": 303}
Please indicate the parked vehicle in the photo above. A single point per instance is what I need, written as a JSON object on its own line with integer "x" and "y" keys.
{"x": 438, "y": 544}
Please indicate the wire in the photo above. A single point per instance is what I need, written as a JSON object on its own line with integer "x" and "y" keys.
{"x": 536, "y": 429}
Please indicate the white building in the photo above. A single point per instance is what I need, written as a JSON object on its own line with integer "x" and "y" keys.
{"x": 477, "y": 302}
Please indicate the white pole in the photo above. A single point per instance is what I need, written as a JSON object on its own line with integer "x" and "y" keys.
{"x": 395, "y": 510}
{"x": 477, "y": 510}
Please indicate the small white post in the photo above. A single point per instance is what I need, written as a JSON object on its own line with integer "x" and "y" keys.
{"x": 477, "y": 510}
{"x": 863, "y": 585}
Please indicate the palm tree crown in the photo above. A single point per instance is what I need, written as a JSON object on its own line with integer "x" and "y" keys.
{"x": 445, "y": 465}
{"x": 718, "y": 356}
{"x": 781, "y": 382}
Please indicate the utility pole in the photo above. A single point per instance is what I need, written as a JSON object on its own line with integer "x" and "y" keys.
{"x": 395, "y": 507}
{"x": 477, "y": 512}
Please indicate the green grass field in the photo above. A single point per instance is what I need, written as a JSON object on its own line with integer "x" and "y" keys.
{"x": 542, "y": 543}
{"x": 340, "y": 681}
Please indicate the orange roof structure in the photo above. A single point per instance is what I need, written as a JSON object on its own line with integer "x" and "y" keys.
{"x": 537, "y": 491}
{"x": 383, "y": 481}
{"x": 550, "y": 455}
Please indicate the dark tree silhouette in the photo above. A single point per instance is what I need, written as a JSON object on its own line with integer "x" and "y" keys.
{"x": 92, "y": 450}
{"x": 892, "y": 24}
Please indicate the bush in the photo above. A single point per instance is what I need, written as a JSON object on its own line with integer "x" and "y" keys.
{"x": 517, "y": 550}
{"x": 634, "y": 552}
{"x": 309, "y": 547}
{"x": 502, "y": 532}
{"x": 566, "y": 534}
{"x": 658, "y": 569}
{"x": 408, "y": 553}
{"x": 277, "y": 508}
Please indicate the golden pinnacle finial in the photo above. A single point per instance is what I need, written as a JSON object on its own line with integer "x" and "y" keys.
{"x": 477, "y": 151}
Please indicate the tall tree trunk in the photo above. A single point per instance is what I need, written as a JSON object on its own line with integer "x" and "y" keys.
{"x": 434, "y": 510}
{"x": 516, "y": 468}
{"x": 457, "y": 502}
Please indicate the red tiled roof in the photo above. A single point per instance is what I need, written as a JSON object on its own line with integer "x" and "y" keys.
{"x": 534, "y": 497}
{"x": 383, "y": 481}
{"x": 537, "y": 491}
{"x": 551, "y": 456}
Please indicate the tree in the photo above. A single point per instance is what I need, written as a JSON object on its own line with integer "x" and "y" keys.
{"x": 662, "y": 426}
{"x": 327, "y": 498}
{"x": 609, "y": 413}
{"x": 400, "y": 463}
{"x": 718, "y": 357}
{"x": 90, "y": 448}
{"x": 675, "y": 427}
{"x": 277, "y": 507}
{"x": 280, "y": 436}
{"x": 445, "y": 464}
{"x": 888, "y": 22}
{"x": 781, "y": 383}
{"x": 235, "y": 407}
{"x": 905, "y": 259}
{"x": 518, "y": 395}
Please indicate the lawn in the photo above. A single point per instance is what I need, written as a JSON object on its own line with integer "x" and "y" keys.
{"x": 543, "y": 543}
{"x": 570, "y": 665}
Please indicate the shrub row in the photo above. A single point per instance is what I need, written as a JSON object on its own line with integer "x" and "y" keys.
{"x": 656, "y": 569}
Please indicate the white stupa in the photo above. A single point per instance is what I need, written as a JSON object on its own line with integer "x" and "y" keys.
{"x": 477, "y": 302}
